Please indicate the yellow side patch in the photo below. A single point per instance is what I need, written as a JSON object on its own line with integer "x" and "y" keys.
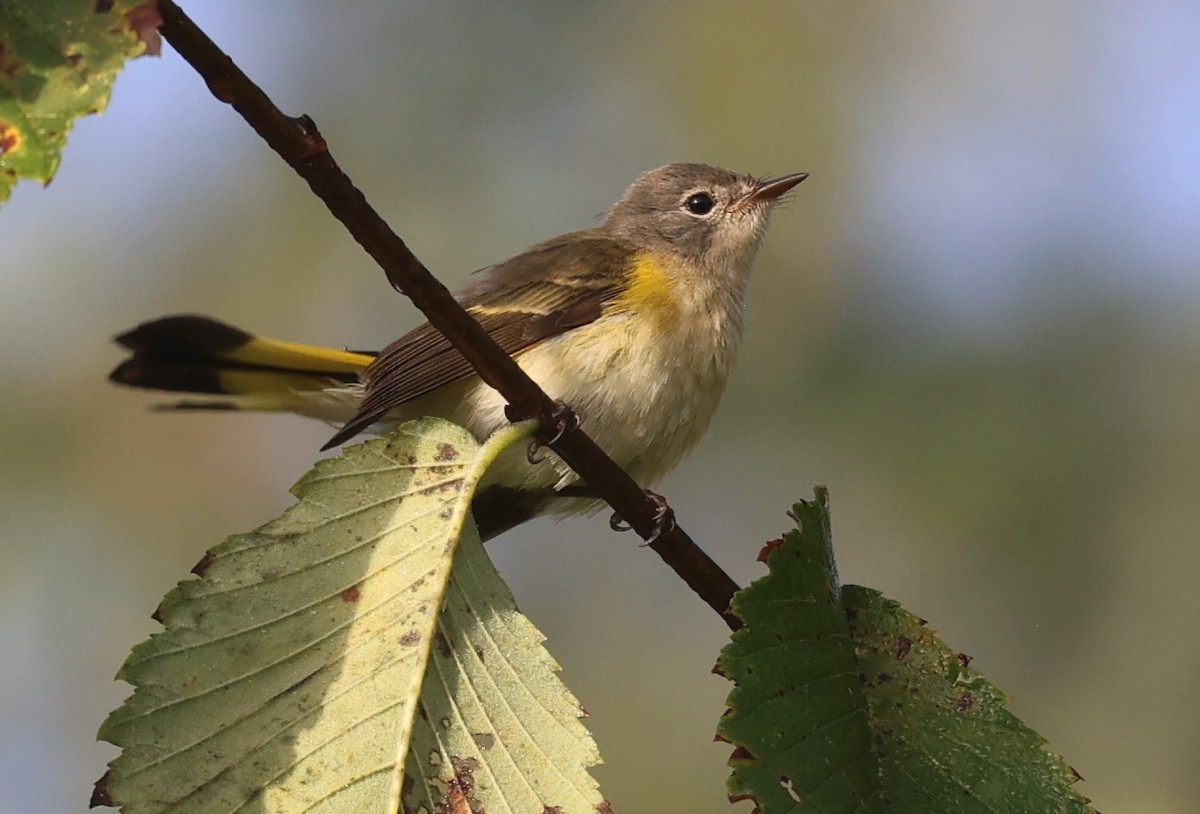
{"x": 295, "y": 356}
{"x": 651, "y": 291}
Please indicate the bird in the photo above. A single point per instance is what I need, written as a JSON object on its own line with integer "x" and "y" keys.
{"x": 634, "y": 323}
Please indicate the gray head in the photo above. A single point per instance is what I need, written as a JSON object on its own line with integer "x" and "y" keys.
{"x": 713, "y": 217}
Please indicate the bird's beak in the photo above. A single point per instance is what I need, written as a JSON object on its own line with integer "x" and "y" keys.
{"x": 767, "y": 191}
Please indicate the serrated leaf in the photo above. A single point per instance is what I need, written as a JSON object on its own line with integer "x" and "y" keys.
{"x": 846, "y": 702}
{"x": 944, "y": 739}
{"x": 288, "y": 675}
{"x": 797, "y": 714}
{"x": 58, "y": 60}
{"x": 497, "y": 732}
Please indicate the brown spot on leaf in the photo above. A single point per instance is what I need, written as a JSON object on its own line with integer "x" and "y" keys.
{"x": 456, "y": 801}
{"x": 965, "y": 701}
{"x": 904, "y": 646}
{"x": 741, "y": 753}
{"x": 458, "y": 790}
{"x": 964, "y": 659}
{"x": 410, "y": 638}
{"x": 10, "y": 138}
{"x": 605, "y": 807}
{"x": 443, "y": 645}
{"x": 144, "y": 20}
{"x": 201, "y": 568}
{"x": 446, "y": 452}
{"x": 8, "y": 65}
{"x": 103, "y": 6}
{"x": 768, "y": 547}
{"x": 551, "y": 809}
{"x": 100, "y": 795}
{"x": 351, "y": 594}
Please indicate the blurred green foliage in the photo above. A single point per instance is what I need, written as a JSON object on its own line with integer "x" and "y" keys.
{"x": 58, "y": 60}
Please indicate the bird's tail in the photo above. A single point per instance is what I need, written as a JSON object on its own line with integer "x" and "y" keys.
{"x": 219, "y": 367}
{"x": 224, "y": 368}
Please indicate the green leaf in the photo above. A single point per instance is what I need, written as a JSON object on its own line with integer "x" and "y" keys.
{"x": 497, "y": 730}
{"x": 844, "y": 702}
{"x": 291, "y": 674}
{"x": 58, "y": 59}
{"x": 944, "y": 739}
{"x": 797, "y": 714}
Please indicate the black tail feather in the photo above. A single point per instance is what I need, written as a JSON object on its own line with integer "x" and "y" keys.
{"x": 157, "y": 373}
{"x": 184, "y": 337}
{"x": 178, "y": 354}
{"x": 188, "y": 354}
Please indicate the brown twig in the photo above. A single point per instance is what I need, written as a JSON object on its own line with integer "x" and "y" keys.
{"x": 300, "y": 144}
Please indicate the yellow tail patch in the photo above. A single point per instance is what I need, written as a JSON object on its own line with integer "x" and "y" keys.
{"x": 295, "y": 356}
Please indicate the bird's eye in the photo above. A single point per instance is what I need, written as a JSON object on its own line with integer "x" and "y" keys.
{"x": 699, "y": 204}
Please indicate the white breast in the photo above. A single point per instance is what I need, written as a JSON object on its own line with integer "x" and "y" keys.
{"x": 645, "y": 396}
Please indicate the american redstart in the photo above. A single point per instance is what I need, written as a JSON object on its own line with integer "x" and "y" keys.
{"x": 635, "y": 324}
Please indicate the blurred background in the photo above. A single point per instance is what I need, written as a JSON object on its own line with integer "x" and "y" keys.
{"x": 977, "y": 323}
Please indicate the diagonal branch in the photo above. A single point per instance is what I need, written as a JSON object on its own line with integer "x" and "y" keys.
{"x": 300, "y": 144}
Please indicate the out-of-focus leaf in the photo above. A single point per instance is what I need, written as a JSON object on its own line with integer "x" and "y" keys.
{"x": 58, "y": 60}
{"x": 288, "y": 675}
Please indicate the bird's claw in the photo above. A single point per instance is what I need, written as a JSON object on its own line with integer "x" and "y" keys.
{"x": 664, "y": 518}
{"x": 617, "y": 524}
{"x": 563, "y": 419}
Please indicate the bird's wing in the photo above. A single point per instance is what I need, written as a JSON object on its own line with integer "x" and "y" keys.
{"x": 552, "y": 288}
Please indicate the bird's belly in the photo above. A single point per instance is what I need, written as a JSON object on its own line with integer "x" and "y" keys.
{"x": 645, "y": 398}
